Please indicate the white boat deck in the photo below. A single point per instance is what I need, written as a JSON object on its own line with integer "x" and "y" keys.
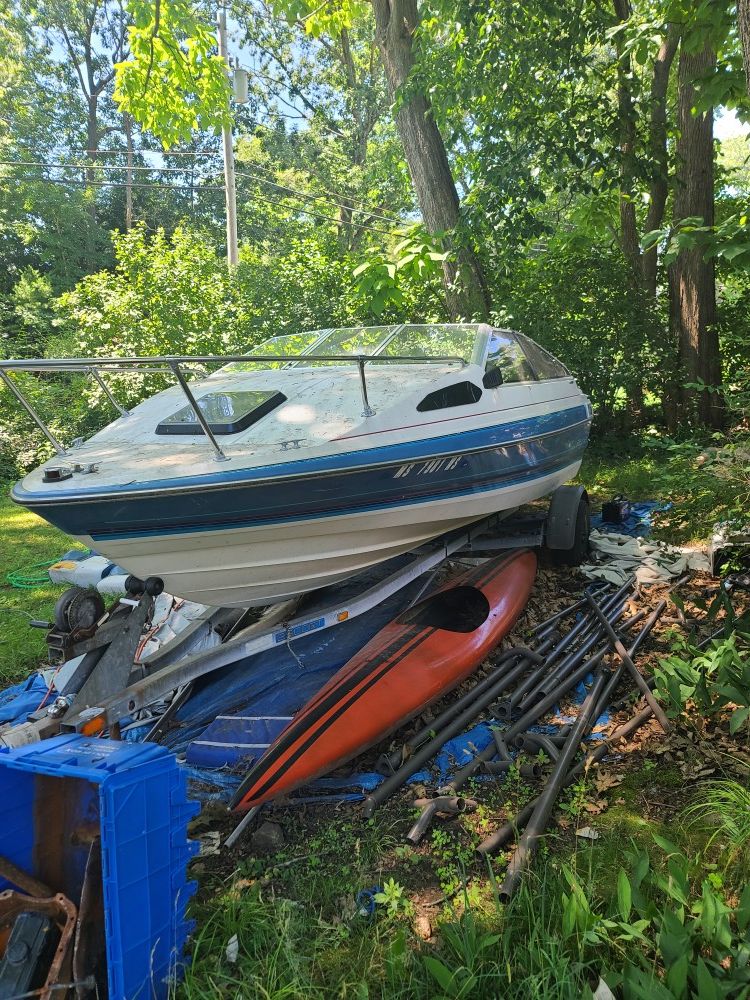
{"x": 322, "y": 415}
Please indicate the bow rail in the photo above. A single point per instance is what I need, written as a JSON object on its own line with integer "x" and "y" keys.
{"x": 177, "y": 365}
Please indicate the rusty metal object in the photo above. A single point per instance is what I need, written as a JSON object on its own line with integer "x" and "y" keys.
{"x": 22, "y": 880}
{"x": 60, "y": 909}
{"x": 89, "y": 948}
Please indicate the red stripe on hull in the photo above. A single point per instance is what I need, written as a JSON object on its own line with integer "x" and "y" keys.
{"x": 408, "y": 665}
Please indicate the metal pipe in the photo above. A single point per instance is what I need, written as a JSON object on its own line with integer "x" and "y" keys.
{"x": 22, "y": 880}
{"x": 367, "y": 410}
{"x": 536, "y": 711}
{"x": 199, "y": 416}
{"x": 580, "y": 628}
{"x": 545, "y": 626}
{"x": 396, "y": 758}
{"x": 105, "y": 389}
{"x": 243, "y": 824}
{"x": 137, "y": 361}
{"x": 443, "y": 804}
{"x": 627, "y": 701}
{"x": 531, "y": 770}
{"x": 502, "y": 749}
{"x": 428, "y": 750}
{"x": 33, "y": 414}
{"x": 540, "y": 741}
{"x": 503, "y": 834}
{"x": 500, "y": 837}
{"x": 573, "y": 659}
{"x": 546, "y": 801}
{"x": 630, "y": 666}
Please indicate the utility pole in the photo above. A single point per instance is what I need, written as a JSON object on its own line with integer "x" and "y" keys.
{"x": 228, "y": 146}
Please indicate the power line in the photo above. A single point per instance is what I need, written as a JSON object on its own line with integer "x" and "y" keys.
{"x": 204, "y": 187}
{"x": 318, "y": 215}
{"x": 123, "y": 184}
{"x": 312, "y": 197}
{"x": 294, "y": 192}
{"x": 94, "y": 166}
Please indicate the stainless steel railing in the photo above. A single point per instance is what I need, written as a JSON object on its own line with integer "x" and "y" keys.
{"x": 177, "y": 366}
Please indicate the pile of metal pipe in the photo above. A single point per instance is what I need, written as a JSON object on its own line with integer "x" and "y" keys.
{"x": 531, "y": 680}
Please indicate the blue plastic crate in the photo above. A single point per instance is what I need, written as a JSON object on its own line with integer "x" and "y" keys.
{"x": 58, "y": 793}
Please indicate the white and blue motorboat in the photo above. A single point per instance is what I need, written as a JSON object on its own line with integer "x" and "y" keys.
{"x": 312, "y": 458}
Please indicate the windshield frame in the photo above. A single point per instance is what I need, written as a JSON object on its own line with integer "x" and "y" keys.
{"x": 477, "y": 355}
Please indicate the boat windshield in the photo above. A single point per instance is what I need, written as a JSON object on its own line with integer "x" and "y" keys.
{"x": 291, "y": 344}
{"x": 399, "y": 340}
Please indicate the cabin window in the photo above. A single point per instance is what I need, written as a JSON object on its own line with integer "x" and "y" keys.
{"x": 504, "y": 352}
{"x": 458, "y": 394}
{"x": 225, "y": 412}
{"x": 542, "y": 361}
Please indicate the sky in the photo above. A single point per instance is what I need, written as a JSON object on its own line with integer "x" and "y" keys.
{"x": 728, "y": 126}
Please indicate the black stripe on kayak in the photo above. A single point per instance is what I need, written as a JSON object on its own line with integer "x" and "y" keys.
{"x": 346, "y": 686}
{"x": 484, "y": 574}
{"x": 391, "y": 656}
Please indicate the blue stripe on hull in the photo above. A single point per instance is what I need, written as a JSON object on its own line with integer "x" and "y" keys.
{"x": 424, "y": 448}
{"x": 312, "y": 494}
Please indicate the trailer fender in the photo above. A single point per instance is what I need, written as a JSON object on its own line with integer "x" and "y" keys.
{"x": 567, "y": 526}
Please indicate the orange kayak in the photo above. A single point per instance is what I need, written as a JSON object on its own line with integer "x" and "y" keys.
{"x": 409, "y": 664}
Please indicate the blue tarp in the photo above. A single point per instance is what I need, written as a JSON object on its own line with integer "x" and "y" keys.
{"x": 638, "y": 525}
{"x": 20, "y": 700}
{"x": 276, "y": 684}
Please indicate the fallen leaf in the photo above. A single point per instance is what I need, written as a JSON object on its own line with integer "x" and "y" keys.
{"x": 423, "y": 927}
{"x": 607, "y": 779}
{"x": 587, "y": 833}
{"x": 595, "y": 807}
{"x": 239, "y": 885}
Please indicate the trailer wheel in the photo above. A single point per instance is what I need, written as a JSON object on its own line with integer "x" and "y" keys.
{"x": 568, "y": 525}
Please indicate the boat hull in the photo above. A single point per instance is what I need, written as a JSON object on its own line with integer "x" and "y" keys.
{"x": 243, "y": 540}
{"x": 409, "y": 664}
{"x": 246, "y": 567}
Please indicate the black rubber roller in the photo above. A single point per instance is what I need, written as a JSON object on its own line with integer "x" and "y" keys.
{"x": 154, "y": 586}
{"x": 134, "y": 586}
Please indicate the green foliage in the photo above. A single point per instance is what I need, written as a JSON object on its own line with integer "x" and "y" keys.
{"x": 469, "y": 949}
{"x": 722, "y": 808}
{"x": 578, "y": 302}
{"x": 393, "y": 899}
{"x": 713, "y": 679}
{"x": 728, "y": 241}
{"x": 387, "y": 282}
{"x": 173, "y": 83}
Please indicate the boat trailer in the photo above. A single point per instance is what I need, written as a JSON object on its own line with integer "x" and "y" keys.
{"x": 103, "y": 685}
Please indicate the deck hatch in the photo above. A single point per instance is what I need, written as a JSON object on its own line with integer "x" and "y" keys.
{"x": 225, "y": 412}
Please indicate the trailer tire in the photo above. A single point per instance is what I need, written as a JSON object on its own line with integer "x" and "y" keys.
{"x": 568, "y": 526}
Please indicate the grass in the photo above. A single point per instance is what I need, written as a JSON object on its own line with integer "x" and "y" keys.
{"x": 25, "y": 540}
{"x": 698, "y": 496}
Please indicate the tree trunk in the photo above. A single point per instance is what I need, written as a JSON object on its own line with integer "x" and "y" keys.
{"x": 657, "y": 142}
{"x": 395, "y": 23}
{"x": 743, "y": 23}
{"x": 691, "y": 278}
{"x": 626, "y": 120}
